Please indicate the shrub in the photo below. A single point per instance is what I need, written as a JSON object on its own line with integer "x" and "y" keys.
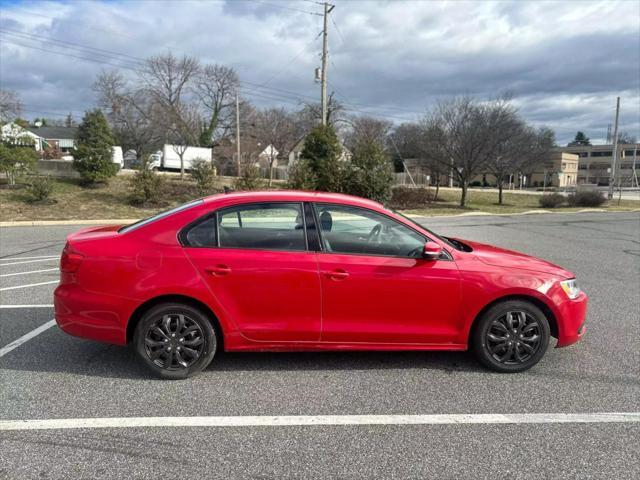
{"x": 406, "y": 197}
{"x": 16, "y": 161}
{"x": 552, "y": 200}
{"x": 204, "y": 174}
{"x": 322, "y": 152}
{"x": 369, "y": 173}
{"x": 145, "y": 186}
{"x": 40, "y": 188}
{"x": 93, "y": 154}
{"x": 51, "y": 152}
{"x": 301, "y": 176}
{"x": 586, "y": 199}
{"x": 249, "y": 180}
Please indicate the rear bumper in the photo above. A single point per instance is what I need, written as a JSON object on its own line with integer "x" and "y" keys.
{"x": 571, "y": 321}
{"x": 90, "y": 315}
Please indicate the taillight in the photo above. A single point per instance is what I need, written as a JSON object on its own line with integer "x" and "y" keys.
{"x": 70, "y": 260}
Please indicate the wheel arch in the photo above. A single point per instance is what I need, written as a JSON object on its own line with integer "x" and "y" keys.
{"x": 551, "y": 317}
{"x": 139, "y": 312}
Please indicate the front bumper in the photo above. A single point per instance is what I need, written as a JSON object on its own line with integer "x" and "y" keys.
{"x": 571, "y": 319}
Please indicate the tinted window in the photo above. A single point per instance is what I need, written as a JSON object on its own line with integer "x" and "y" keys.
{"x": 271, "y": 226}
{"x": 360, "y": 231}
{"x": 203, "y": 234}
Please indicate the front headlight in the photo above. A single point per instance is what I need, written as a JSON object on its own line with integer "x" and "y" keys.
{"x": 571, "y": 288}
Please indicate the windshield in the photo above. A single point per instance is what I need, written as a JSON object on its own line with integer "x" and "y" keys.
{"x": 160, "y": 215}
{"x": 431, "y": 232}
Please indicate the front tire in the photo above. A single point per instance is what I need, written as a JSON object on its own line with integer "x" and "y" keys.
{"x": 511, "y": 336}
{"x": 175, "y": 341}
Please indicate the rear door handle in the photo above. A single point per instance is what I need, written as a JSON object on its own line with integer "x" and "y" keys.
{"x": 337, "y": 274}
{"x": 218, "y": 270}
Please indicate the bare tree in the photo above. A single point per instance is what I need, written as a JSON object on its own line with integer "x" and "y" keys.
{"x": 10, "y": 105}
{"x": 277, "y": 128}
{"x": 367, "y": 129}
{"x": 511, "y": 142}
{"x": 469, "y": 134}
{"x": 311, "y": 114}
{"x": 216, "y": 87}
{"x": 626, "y": 137}
{"x": 134, "y": 119}
{"x": 166, "y": 80}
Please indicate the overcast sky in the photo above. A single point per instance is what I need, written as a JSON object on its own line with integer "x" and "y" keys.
{"x": 564, "y": 63}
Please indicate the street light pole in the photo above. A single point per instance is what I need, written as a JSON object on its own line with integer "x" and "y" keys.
{"x": 238, "y": 133}
{"x": 612, "y": 175}
{"x": 323, "y": 87}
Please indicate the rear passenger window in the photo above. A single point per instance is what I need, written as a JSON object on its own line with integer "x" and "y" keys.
{"x": 203, "y": 234}
{"x": 269, "y": 226}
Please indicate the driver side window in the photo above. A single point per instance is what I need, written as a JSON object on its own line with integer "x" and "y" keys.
{"x": 353, "y": 230}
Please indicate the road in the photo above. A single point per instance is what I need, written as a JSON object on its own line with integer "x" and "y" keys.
{"x": 55, "y": 376}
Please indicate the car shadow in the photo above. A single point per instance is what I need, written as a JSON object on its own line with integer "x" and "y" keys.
{"x": 63, "y": 354}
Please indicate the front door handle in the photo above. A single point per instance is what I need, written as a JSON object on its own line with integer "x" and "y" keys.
{"x": 337, "y": 274}
{"x": 218, "y": 270}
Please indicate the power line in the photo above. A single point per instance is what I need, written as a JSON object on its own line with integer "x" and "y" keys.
{"x": 288, "y": 64}
{"x": 284, "y": 7}
{"x": 77, "y": 48}
{"x": 82, "y": 52}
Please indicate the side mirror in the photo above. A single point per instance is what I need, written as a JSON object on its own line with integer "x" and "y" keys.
{"x": 432, "y": 251}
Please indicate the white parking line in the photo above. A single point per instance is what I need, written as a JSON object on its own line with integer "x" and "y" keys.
{"x": 313, "y": 420}
{"x": 25, "y": 306}
{"x": 25, "y": 338}
{"x": 7, "y": 259}
{"x": 29, "y": 272}
{"x": 28, "y": 285}
{"x": 28, "y": 261}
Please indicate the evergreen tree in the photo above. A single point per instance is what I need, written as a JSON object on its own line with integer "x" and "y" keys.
{"x": 581, "y": 139}
{"x": 370, "y": 172}
{"x": 321, "y": 154}
{"x": 93, "y": 154}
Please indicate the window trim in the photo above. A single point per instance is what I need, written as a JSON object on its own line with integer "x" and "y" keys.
{"x": 182, "y": 235}
{"x": 446, "y": 256}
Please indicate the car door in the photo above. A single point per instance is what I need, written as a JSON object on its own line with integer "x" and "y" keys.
{"x": 255, "y": 260}
{"x": 376, "y": 287}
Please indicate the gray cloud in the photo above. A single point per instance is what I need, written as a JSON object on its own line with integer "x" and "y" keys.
{"x": 563, "y": 62}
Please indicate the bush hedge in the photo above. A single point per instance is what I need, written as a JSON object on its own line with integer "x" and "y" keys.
{"x": 586, "y": 199}
{"x": 406, "y": 197}
{"x": 551, "y": 200}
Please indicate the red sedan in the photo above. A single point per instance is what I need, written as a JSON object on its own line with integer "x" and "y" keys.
{"x": 287, "y": 270}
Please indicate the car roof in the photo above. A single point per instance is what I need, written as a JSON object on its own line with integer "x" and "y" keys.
{"x": 291, "y": 195}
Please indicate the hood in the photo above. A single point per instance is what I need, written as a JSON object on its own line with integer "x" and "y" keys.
{"x": 501, "y": 257}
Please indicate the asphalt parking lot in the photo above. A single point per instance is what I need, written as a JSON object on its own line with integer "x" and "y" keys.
{"x": 54, "y": 376}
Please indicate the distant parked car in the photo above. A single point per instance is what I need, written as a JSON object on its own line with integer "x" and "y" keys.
{"x": 288, "y": 270}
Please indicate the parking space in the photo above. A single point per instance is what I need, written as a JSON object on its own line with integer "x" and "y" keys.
{"x": 55, "y": 376}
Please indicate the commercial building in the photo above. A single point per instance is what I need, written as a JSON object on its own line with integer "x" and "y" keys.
{"x": 594, "y": 163}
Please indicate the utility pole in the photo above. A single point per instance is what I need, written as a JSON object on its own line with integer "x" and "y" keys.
{"x": 612, "y": 175}
{"x": 323, "y": 92}
{"x": 238, "y": 133}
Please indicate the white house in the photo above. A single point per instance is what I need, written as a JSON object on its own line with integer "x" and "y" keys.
{"x": 42, "y": 137}
{"x": 12, "y": 132}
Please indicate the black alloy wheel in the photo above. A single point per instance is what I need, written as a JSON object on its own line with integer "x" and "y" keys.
{"x": 175, "y": 340}
{"x": 511, "y": 336}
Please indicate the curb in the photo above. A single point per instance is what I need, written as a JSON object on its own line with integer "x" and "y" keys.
{"x": 125, "y": 221}
{"x": 44, "y": 223}
{"x": 528, "y": 212}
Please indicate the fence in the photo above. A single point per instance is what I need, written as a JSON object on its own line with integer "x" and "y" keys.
{"x": 404, "y": 179}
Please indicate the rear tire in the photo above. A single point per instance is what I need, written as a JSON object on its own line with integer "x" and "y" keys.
{"x": 175, "y": 340}
{"x": 512, "y": 336}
